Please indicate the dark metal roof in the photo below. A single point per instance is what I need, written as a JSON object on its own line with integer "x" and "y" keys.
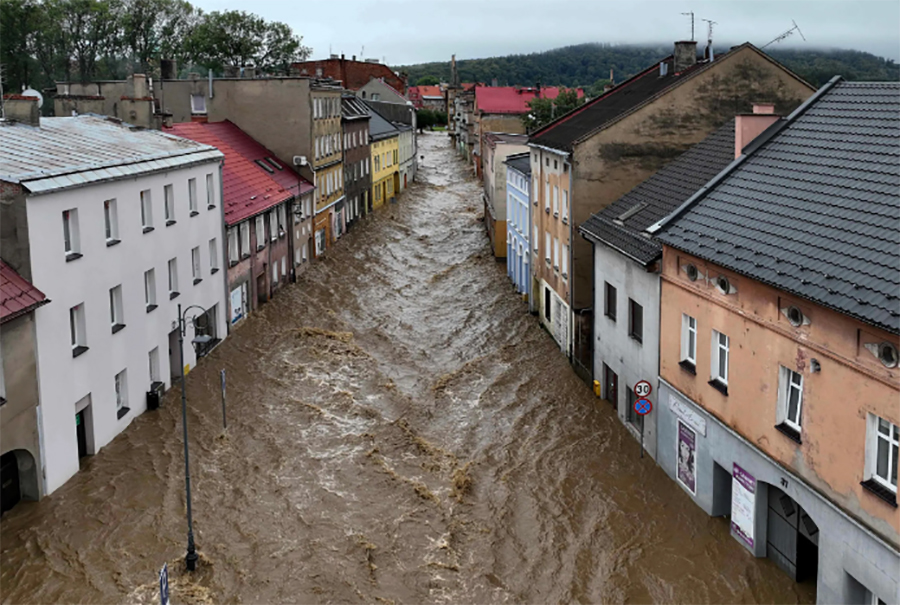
{"x": 353, "y": 109}
{"x": 521, "y": 162}
{"x": 815, "y": 209}
{"x": 379, "y": 127}
{"x": 658, "y": 196}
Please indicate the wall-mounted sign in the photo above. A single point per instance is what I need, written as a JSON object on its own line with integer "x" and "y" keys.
{"x": 743, "y": 504}
{"x": 690, "y": 416}
{"x": 686, "y": 456}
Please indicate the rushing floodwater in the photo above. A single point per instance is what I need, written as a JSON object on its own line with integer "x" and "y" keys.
{"x": 400, "y": 430}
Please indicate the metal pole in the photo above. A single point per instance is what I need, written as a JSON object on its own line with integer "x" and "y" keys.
{"x": 224, "y": 421}
{"x": 190, "y": 559}
{"x": 642, "y": 436}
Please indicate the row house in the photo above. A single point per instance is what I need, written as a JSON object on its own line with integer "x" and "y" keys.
{"x": 627, "y": 268}
{"x": 357, "y": 175}
{"x": 779, "y": 335}
{"x": 601, "y": 150}
{"x": 268, "y": 215}
{"x": 403, "y": 117}
{"x": 453, "y": 89}
{"x": 379, "y": 90}
{"x": 518, "y": 224}
{"x": 427, "y": 97}
{"x": 20, "y": 442}
{"x": 120, "y": 227}
{"x": 497, "y": 147}
{"x": 385, "y": 150}
{"x": 462, "y": 129}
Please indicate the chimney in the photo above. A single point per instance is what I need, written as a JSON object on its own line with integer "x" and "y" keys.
{"x": 748, "y": 126}
{"x": 248, "y": 71}
{"x": 22, "y": 109}
{"x": 137, "y": 85}
{"x": 354, "y": 57}
{"x": 168, "y": 69}
{"x": 685, "y": 55}
{"x": 494, "y": 82}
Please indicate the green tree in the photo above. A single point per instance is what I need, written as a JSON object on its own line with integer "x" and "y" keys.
{"x": 425, "y": 118}
{"x": 157, "y": 29}
{"x": 543, "y": 111}
{"x": 428, "y": 81}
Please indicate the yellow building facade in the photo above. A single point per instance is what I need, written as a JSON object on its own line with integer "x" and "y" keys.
{"x": 385, "y": 169}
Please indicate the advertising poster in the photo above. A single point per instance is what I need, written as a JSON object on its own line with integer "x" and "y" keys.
{"x": 237, "y": 307}
{"x": 687, "y": 457}
{"x": 743, "y": 504}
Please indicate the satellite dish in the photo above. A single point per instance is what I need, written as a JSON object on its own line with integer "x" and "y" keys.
{"x": 30, "y": 92}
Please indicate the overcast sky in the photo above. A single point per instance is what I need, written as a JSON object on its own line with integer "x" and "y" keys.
{"x": 419, "y": 31}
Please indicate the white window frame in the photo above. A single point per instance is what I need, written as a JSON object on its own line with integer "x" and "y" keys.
{"x": 173, "y": 277}
{"x": 198, "y": 104}
{"x": 273, "y": 225}
{"x": 565, "y": 206}
{"x": 717, "y": 350}
{"x": 146, "y": 210}
{"x": 536, "y": 242}
{"x": 77, "y": 328}
{"x": 874, "y": 439}
{"x": 153, "y": 359}
{"x": 111, "y": 220}
{"x": 547, "y": 195}
{"x": 169, "y": 195}
{"x": 71, "y": 240}
{"x": 556, "y": 200}
{"x": 121, "y": 390}
{"x": 234, "y": 252}
{"x": 564, "y": 262}
{"x": 548, "y": 248}
{"x": 556, "y": 254}
{"x": 213, "y": 256}
{"x": 788, "y": 382}
{"x": 210, "y": 192}
{"x": 192, "y": 196}
{"x": 116, "y": 309}
{"x": 688, "y": 329}
{"x": 150, "y": 288}
{"x": 244, "y": 228}
{"x": 196, "y": 272}
{"x": 260, "y": 232}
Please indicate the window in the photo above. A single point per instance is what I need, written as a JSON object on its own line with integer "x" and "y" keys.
{"x": 245, "y": 239}
{"x": 213, "y": 256}
{"x": 395, "y": 156}
{"x": 534, "y": 241}
{"x": 77, "y": 328}
{"x": 547, "y": 303}
{"x": 146, "y": 211}
{"x": 116, "y": 311}
{"x": 790, "y": 398}
{"x": 274, "y": 273}
{"x": 688, "y": 340}
{"x": 884, "y": 437}
{"x": 233, "y": 251}
{"x": 547, "y": 196}
{"x": 283, "y": 266}
{"x": 376, "y": 96}
{"x": 273, "y": 225}
{"x": 555, "y": 200}
{"x": 547, "y": 247}
{"x": 121, "y": 394}
{"x": 609, "y": 303}
{"x": 154, "y": 366}
{"x": 320, "y": 241}
{"x": 195, "y": 265}
{"x": 719, "y": 368}
{"x": 635, "y": 321}
{"x": 556, "y": 253}
{"x": 565, "y": 206}
{"x": 111, "y": 222}
{"x": 318, "y": 154}
{"x": 260, "y": 232}
{"x": 170, "y": 204}
{"x": 631, "y": 416}
{"x": 150, "y": 289}
{"x": 192, "y": 196}
{"x": 198, "y": 104}
{"x": 173, "y": 278}
{"x": 565, "y": 261}
{"x": 210, "y": 193}
{"x": 70, "y": 234}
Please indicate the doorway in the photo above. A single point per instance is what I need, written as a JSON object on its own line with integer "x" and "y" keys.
{"x": 547, "y": 302}
{"x": 792, "y": 537}
{"x": 174, "y": 357}
{"x": 10, "y": 494}
{"x": 611, "y": 386}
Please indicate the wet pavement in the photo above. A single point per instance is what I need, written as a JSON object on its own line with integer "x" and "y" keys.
{"x": 400, "y": 430}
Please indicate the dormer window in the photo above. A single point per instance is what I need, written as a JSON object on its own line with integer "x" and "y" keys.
{"x": 198, "y": 104}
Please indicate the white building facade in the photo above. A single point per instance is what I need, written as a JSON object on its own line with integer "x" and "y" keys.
{"x": 408, "y": 161}
{"x": 140, "y": 234}
{"x": 518, "y": 255}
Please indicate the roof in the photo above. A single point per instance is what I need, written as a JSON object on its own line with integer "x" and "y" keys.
{"x": 352, "y": 74}
{"x": 433, "y": 92}
{"x": 17, "y": 295}
{"x": 814, "y": 208}
{"x": 353, "y": 109}
{"x": 658, "y": 196}
{"x": 520, "y": 162}
{"x": 247, "y": 187}
{"x": 80, "y": 150}
{"x": 379, "y": 127}
{"x": 495, "y": 138}
{"x": 512, "y": 99}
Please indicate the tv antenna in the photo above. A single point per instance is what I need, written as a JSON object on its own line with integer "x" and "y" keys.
{"x": 691, "y": 15}
{"x": 709, "y": 33}
{"x": 787, "y": 34}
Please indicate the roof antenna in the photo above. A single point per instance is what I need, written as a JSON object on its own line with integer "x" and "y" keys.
{"x": 691, "y": 14}
{"x": 787, "y": 34}
{"x": 709, "y": 32}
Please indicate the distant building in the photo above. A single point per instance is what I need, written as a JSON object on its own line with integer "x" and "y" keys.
{"x": 427, "y": 97}
{"x": 352, "y": 74}
{"x": 379, "y": 90}
{"x": 406, "y": 144}
{"x": 384, "y": 144}
{"x": 497, "y": 146}
{"x": 598, "y": 152}
{"x": 21, "y": 463}
{"x": 779, "y": 338}
{"x": 268, "y": 215}
{"x": 117, "y": 226}
{"x": 518, "y": 212}
{"x": 357, "y": 158}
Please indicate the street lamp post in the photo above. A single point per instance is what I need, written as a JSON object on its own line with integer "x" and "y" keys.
{"x": 190, "y": 559}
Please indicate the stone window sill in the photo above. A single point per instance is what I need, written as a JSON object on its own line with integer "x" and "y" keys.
{"x": 73, "y": 256}
{"x": 170, "y": 222}
{"x": 245, "y": 255}
{"x": 118, "y": 328}
{"x": 214, "y": 270}
{"x": 719, "y": 386}
{"x": 197, "y": 280}
{"x": 150, "y": 308}
{"x": 112, "y": 242}
{"x": 173, "y": 295}
{"x": 148, "y": 229}
{"x": 688, "y": 367}
{"x": 881, "y": 491}
{"x": 790, "y": 432}
{"x": 211, "y": 207}
{"x": 194, "y": 212}
{"x": 79, "y": 350}
{"x": 122, "y": 412}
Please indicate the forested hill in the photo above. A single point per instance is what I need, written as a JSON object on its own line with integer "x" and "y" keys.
{"x": 588, "y": 65}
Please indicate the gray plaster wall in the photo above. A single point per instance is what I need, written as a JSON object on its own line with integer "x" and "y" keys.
{"x": 14, "y": 236}
{"x": 853, "y": 561}
{"x": 630, "y": 360}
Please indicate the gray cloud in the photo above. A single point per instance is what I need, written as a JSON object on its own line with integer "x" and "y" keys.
{"x": 417, "y": 31}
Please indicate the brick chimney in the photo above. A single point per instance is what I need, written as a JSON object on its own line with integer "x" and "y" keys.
{"x": 22, "y": 109}
{"x": 685, "y": 55}
{"x": 748, "y": 126}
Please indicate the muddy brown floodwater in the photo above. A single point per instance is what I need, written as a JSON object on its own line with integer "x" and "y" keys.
{"x": 400, "y": 430}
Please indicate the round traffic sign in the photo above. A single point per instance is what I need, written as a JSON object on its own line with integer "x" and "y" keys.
{"x": 643, "y": 406}
{"x": 642, "y": 388}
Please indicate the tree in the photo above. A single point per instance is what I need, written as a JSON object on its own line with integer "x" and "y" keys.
{"x": 157, "y": 29}
{"x": 543, "y": 111}
{"x": 425, "y": 118}
{"x": 428, "y": 81}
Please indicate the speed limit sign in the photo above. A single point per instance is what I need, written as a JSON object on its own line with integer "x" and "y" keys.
{"x": 642, "y": 388}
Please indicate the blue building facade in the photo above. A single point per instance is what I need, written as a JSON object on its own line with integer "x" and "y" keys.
{"x": 518, "y": 221}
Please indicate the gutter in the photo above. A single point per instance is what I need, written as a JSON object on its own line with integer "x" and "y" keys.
{"x": 767, "y": 135}
{"x": 25, "y": 311}
{"x": 590, "y": 237}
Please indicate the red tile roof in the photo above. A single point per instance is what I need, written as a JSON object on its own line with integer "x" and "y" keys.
{"x": 352, "y": 74}
{"x": 17, "y": 295}
{"x": 430, "y": 91}
{"x": 247, "y": 188}
{"x": 512, "y": 99}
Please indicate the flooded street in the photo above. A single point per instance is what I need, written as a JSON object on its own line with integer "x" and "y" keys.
{"x": 400, "y": 430}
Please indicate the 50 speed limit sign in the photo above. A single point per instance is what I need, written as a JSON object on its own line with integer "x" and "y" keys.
{"x": 642, "y": 388}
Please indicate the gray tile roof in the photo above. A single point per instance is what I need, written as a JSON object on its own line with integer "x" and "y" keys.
{"x": 659, "y": 195}
{"x": 521, "y": 162}
{"x": 815, "y": 209}
{"x": 73, "y": 151}
{"x": 379, "y": 127}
